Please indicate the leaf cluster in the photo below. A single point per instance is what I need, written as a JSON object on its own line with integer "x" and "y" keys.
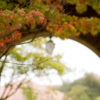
{"x": 87, "y": 88}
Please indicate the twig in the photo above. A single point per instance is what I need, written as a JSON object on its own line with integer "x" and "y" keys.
{"x": 34, "y": 36}
{"x": 25, "y": 64}
{"x": 7, "y": 86}
{"x": 17, "y": 63}
{"x": 18, "y": 86}
{"x": 14, "y": 44}
{"x": 8, "y": 34}
{"x": 5, "y": 52}
{"x": 2, "y": 66}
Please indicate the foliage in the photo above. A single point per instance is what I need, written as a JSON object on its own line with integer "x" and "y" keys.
{"x": 89, "y": 86}
{"x": 93, "y": 84}
{"x": 33, "y": 60}
{"x": 82, "y": 5}
{"x": 18, "y": 18}
{"x": 78, "y": 92}
{"x": 29, "y": 93}
{"x": 39, "y": 60}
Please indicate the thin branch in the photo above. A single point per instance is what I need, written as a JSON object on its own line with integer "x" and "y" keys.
{"x": 18, "y": 86}
{"x": 5, "y": 90}
{"x": 14, "y": 44}
{"x": 26, "y": 64}
{"x": 2, "y": 66}
{"x": 16, "y": 63}
{"x": 7, "y": 86}
{"x": 44, "y": 61}
{"x": 5, "y": 52}
{"x": 34, "y": 36}
{"x": 8, "y": 33}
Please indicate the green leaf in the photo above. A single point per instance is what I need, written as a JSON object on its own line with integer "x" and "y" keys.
{"x": 81, "y": 8}
{"x": 3, "y": 4}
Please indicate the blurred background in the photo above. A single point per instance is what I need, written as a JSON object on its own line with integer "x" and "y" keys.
{"x": 71, "y": 72}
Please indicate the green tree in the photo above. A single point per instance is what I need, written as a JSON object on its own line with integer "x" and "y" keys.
{"x": 23, "y": 63}
{"x": 29, "y": 93}
{"x": 78, "y": 92}
{"x": 91, "y": 84}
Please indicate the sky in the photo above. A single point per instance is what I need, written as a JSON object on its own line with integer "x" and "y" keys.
{"x": 76, "y": 56}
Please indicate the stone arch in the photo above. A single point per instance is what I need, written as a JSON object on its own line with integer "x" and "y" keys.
{"x": 90, "y": 41}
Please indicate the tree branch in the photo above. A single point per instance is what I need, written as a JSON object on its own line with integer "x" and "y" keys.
{"x": 13, "y": 92}
{"x": 5, "y": 52}
{"x": 2, "y": 66}
{"x": 3, "y": 36}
